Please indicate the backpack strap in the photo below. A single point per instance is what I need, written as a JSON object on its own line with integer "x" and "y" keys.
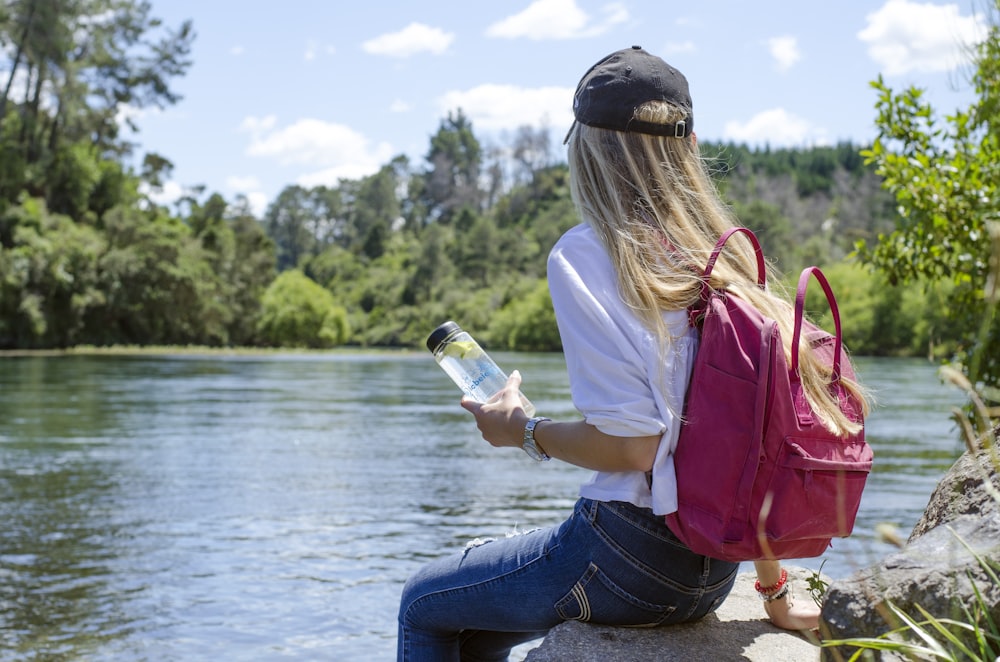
{"x": 800, "y": 300}
{"x": 695, "y": 312}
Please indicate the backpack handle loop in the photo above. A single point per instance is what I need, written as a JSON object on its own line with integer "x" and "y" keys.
{"x": 696, "y": 312}
{"x": 761, "y": 277}
{"x": 800, "y": 301}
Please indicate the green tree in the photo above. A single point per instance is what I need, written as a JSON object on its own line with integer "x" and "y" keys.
{"x": 49, "y": 281}
{"x": 159, "y": 285}
{"x": 296, "y": 312}
{"x": 455, "y": 158}
{"x": 377, "y": 208}
{"x": 945, "y": 178}
{"x": 528, "y": 322}
{"x": 83, "y": 63}
{"x": 291, "y": 222}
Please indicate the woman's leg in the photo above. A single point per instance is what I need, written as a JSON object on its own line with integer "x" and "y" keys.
{"x": 609, "y": 563}
{"x": 481, "y": 602}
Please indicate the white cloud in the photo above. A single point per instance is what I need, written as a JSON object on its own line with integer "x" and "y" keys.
{"x": 258, "y": 203}
{"x": 557, "y": 19}
{"x": 258, "y": 124}
{"x": 413, "y": 39}
{"x": 905, "y": 36}
{"x": 399, "y": 106}
{"x": 679, "y": 47}
{"x": 314, "y": 49}
{"x": 236, "y": 50}
{"x": 776, "y": 127}
{"x": 329, "y": 150}
{"x": 785, "y": 51}
{"x": 165, "y": 195}
{"x": 312, "y": 46}
{"x": 242, "y": 184}
{"x": 496, "y": 107}
{"x": 249, "y": 187}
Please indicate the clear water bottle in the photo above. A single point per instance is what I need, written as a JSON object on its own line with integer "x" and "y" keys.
{"x": 471, "y": 368}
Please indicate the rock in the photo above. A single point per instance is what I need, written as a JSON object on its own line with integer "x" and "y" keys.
{"x": 960, "y": 492}
{"x": 738, "y": 630}
{"x": 939, "y": 569}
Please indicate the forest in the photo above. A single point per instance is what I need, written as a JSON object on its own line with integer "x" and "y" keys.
{"x": 87, "y": 259}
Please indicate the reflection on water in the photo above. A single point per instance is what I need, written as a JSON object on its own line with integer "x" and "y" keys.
{"x": 232, "y": 507}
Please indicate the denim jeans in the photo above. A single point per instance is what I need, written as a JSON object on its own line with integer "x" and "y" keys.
{"x": 610, "y": 563}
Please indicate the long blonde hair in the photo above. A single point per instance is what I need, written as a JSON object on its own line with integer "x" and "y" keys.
{"x": 655, "y": 207}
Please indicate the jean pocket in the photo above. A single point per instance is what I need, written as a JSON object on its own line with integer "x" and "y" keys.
{"x": 598, "y": 599}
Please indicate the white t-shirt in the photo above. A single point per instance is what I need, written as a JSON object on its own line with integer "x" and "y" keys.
{"x": 619, "y": 380}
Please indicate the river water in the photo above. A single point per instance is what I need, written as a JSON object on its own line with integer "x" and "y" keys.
{"x": 233, "y": 507}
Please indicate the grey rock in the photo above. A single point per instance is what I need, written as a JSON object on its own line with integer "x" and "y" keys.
{"x": 738, "y": 630}
{"x": 961, "y": 492}
{"x": 940, "y": 569}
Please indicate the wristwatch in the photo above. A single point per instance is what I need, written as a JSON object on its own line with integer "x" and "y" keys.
{"x": 529, "y": 444}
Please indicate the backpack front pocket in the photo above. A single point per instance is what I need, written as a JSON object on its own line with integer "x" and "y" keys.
{"x": 816, "y": 487}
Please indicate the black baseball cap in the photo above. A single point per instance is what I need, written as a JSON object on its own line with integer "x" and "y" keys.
{"x": 612, "y": 89}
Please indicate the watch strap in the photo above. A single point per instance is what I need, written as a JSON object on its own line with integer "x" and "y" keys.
{"x": 529, "y": 444}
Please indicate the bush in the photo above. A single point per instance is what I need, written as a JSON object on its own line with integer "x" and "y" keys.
{"x": 297, "y": 312}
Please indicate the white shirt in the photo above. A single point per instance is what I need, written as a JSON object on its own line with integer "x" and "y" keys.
{"x": 619, "y": 380}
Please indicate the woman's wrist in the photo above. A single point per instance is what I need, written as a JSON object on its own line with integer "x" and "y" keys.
{"x": 775, "y": 591}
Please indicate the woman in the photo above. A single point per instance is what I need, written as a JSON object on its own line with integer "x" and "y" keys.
{"x": 620, "y": 284}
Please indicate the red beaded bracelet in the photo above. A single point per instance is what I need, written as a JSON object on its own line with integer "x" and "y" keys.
{"x": 768, "y": 590}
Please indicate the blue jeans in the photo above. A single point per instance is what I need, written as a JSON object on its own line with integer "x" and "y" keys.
{"x": 609, "y": 563}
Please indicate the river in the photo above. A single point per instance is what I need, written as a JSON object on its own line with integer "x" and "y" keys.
{"x": 257, "y": 507}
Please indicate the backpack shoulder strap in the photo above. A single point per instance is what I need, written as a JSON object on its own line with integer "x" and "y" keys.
{"x": 800, "y": 300}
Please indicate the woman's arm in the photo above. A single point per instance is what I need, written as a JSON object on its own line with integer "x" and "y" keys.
{"x": 783, "y": 611}
{"x": 502, "y": 424}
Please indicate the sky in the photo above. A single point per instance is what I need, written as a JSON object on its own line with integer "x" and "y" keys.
{"x": 308, "y": 92}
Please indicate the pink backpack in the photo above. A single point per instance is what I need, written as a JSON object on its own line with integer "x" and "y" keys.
{"x": 757, "y": 476}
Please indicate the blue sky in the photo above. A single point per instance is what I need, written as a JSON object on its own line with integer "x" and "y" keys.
{"x": 307, "y": 92}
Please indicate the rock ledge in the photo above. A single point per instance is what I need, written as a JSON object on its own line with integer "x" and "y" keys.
{"x": 738, "y": 630}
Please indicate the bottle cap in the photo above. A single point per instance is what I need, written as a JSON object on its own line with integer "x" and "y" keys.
{"x": 440, "y": 334}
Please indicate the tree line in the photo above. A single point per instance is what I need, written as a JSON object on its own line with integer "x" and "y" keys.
{"x": 86, "y": 258}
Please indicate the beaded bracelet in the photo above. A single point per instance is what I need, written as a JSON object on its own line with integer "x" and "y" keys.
{"x": 777, "y": 595}
{"x": 771, "y": 592}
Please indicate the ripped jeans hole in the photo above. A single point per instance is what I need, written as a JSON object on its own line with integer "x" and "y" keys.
{"x": 479, "y": 542}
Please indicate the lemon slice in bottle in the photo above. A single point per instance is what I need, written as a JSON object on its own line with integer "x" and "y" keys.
{"x": 462, "y": 349}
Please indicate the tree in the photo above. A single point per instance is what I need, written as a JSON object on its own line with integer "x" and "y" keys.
{"x": 376, "y": 210}
{"x": 49, "y": 282}
{"x": 291, "y": 224}
{"x": 945, "y": 178}
{"x": 73, "y": 68}
{"x": 455, "y": 160}
{"x": 299, "y": 313}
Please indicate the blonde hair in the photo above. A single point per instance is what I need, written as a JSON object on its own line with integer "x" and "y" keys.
{"x": 649, "y": 198}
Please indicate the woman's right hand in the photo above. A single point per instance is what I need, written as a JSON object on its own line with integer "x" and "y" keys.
{"x": 791, "y": 615}
{"x": 501, "y": 420}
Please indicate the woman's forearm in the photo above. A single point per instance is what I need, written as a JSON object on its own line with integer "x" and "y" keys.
{"x": 585, "y": 446}
{"x": 502, "y": 422}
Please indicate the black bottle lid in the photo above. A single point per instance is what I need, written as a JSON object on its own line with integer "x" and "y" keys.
{"x": 440, "y": 334}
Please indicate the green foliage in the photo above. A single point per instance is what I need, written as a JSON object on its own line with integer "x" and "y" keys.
{"x": 880, "y": 319}
{"x": 49, "y": 281}
{"x": 528, "y": 323}
{"x": 85, "y": 258}
{"x": 159, "y": 287}
{"x": 296, "y": 312}
{"x": 944, "y": 178}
